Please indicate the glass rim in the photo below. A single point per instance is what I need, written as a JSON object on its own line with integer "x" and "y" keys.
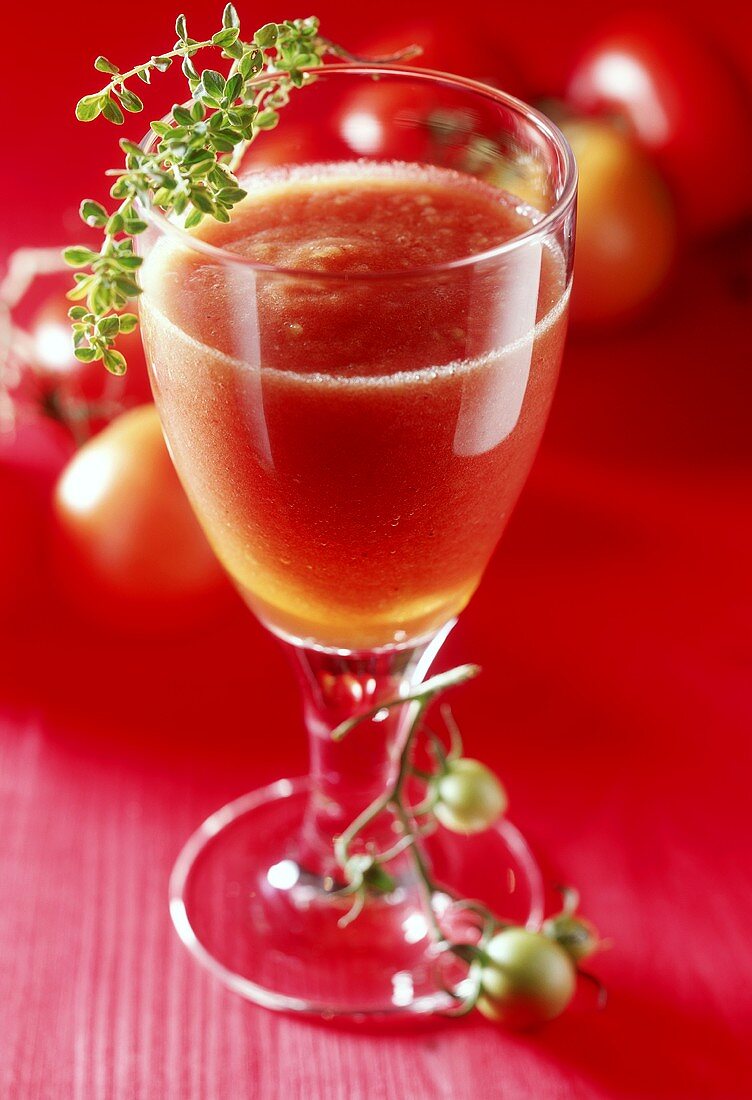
{"x": 548, "y": 129}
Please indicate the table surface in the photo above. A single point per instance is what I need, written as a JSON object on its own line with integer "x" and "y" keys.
{"x": 613, "y": 623}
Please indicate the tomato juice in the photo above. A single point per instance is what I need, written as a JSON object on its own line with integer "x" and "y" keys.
{"x": 354, "y": 388}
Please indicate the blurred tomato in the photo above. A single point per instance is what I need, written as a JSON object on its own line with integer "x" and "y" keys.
{"x": 32, "y": 453}
{"x": 293, "y": 144}
{"x": 83, "y": 395}
{"x": 388, "y": 117}
{"x": 285, "y": 145}
{"x": 21, "y": 540}
{"x": 626, "y": 231}
{"x": 37, "y": 446}
{"x": 684, "y": 104}
{"x": 128, "y": 549}
{"x": 443, "y": 48}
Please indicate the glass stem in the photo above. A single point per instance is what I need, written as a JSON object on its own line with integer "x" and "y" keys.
{"x": 347, "y": 776}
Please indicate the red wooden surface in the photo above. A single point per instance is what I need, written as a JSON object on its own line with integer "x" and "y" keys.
{"x": 614, "y": 627}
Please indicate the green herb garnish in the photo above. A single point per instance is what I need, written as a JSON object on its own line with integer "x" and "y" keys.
{"x": 191, "y": 170}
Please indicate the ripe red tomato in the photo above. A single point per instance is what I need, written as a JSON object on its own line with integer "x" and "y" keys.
{"x": 387, "y": 118}
{"x": 293, "y": 144}
{"x": 483, "y": 59}
{"x": 128, "y": 549}
{"x": 32, "y": 452}
{"x": 21, "y": 541}
{"x": 626, "y": 229}
{"x": 684, "y": 104}
{"x": 276, "y": 148}
{"x": 83, "y": 392}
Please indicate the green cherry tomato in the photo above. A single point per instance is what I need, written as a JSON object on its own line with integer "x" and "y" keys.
{"x": 577, "y": 936}
{"x": 527, "y": 980}
{"x": 469, "y": 797}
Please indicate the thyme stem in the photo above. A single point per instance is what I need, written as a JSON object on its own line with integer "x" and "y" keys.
{"x": 190, "y": 172}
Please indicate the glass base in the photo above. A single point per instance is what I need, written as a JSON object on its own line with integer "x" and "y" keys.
{"x": 245, "y": 907}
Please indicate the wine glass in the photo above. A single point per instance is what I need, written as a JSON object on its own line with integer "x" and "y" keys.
{"x": 353, "y": 441}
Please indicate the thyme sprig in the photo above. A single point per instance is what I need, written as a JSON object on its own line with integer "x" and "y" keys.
{"x": 190, "y": 171}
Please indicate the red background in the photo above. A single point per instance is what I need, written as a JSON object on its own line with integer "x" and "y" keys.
{"x": 614, "y": 627}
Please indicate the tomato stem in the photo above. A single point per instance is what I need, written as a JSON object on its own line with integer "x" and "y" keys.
{"x": 394, "y": 799}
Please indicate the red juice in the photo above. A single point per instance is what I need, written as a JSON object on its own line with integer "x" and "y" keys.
{"x": 353, "y": 431}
